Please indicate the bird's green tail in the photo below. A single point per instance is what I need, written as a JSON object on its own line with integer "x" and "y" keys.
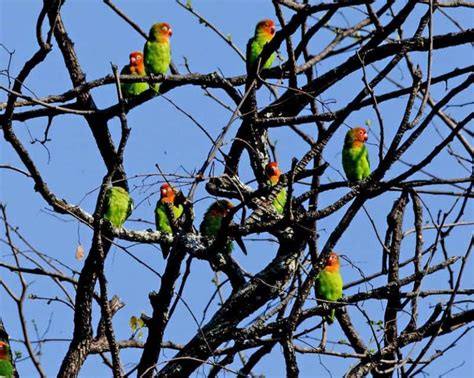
{"x": 330, "y": 319}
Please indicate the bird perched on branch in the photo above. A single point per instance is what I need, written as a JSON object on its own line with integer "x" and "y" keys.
{"x": 273, "y": 173}
{"x": 355, "y": 157}
{"x": 212, "y": 223}
{"x": 157, "y": 50}
{"x": 329, "y": 283}
{"x": 7, "y": 369}
{"x": 135, "y": 67}
{"x": 167, "y": 212}
{"x": 118, "y": 205}
{"x": 6, "y": 366}
{"x": 264, "y": 32}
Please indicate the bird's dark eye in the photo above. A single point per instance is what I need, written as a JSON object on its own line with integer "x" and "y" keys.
{"x": 164, "y": 28}
{"x": 139, "y": 57}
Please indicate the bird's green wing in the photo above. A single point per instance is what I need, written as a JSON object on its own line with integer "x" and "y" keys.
{"x": 210, "y": 225}
{"x": 348, "y": 164}
{"x": 365, "y": 163}
{"x": 157, "y": 59}
{"x": 355, "y": 161}
{"x": 178, "y": 211}
{"x": 280, "y": 201}
{"x": 329, "y": 288}
{"x": 162, "y": 219}
{"x": 117, "y": 206}
{"x": 252, "y": 53}
{"x": 254, "y": 49}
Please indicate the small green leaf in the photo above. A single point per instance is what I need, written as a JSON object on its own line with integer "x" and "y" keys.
{"x": 136, "y": 322}
{"x": 136, "y": 325}
{"x": 133, "y": 323}
{"x": 189, "y": 4}
{"x": 376, "y": 322}
{"x": 357, "y": 36}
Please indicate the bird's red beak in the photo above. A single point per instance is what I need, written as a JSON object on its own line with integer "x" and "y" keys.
{"x": 170, "y": 32}
{"x": 272, "y": 30}
{"x": 366, "y": 137}
{"x": 133, "y": 59}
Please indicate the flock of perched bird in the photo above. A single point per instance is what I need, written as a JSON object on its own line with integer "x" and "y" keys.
{"x": 156, "y": 59}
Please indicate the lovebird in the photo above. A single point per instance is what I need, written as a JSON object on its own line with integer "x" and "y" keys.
{"x": 212, "y": 222}
{"x": 157, "y": 50}
{"x": 167, "y": 213}
{"x": 7, "y": 368}
{"x": 118, "y": 206}
{"x": 264, "y": 32}
{"x": 6, "y": 365}
{"x": 273, "y": 173}
{"x": 329, "y": 283}
{"x": 136, "y": 67}
{"x": 355, "y": 157}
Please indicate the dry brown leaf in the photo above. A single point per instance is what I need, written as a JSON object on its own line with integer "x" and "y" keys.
{"x": 79, "y": 252}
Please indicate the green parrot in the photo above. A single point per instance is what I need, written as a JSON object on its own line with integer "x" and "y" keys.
{"x": 157, "y": 50}
{"x": 264, "y": 32}
{"x": 7, "y": 368}
{"x": 329, "y": 283}
{"x": 273, "y": 175}
{"x": 355, "y": 157}
{"x": 136, "y": 67}
{"x": 118, "y": 206}
{"x": 212, "y": 222}
{"x": 167, "y": 213}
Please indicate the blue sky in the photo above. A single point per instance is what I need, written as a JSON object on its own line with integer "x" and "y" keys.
{"x": 160, "y": 135}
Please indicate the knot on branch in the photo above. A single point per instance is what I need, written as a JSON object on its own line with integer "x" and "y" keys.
{"x": 229, "y": 187}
